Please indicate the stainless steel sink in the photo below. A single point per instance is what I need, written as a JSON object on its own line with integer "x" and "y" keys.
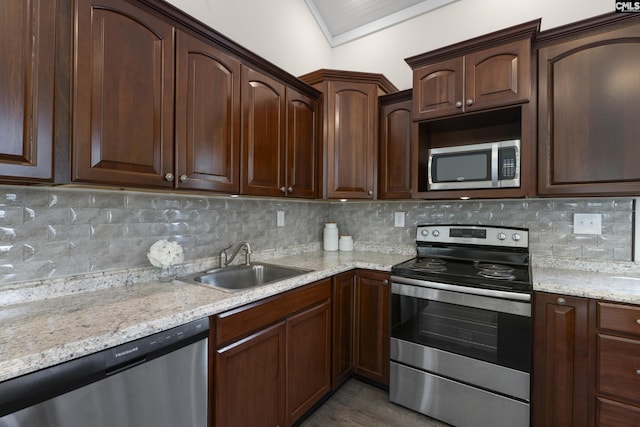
{"x": 235, "y": 278}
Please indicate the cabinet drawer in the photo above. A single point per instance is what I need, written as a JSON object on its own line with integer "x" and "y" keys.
{"x": 619, "y": 317}
{"x": 619, "y": 367}
{"x": 240, "y": 322}
{"x": 610, "y": 413}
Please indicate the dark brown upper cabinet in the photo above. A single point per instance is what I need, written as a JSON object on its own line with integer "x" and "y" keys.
{"x": 207, "y": 116}
{"x": 301, "y": 145}
{"x": 487, "y": 72}
{"x": 160, "y": 100}
{"x": 350, "y": 136}
{"x": 279, "y": 138}
{"x": 263, "y": 134}
{"x": 123, "y": 95}
{"x": 589, "y": 93}
{"x": 396, "y": 128}
{"x": 27, "y": 60}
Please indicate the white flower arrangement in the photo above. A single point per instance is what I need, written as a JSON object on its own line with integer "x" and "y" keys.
{"x": 164, "y": 254}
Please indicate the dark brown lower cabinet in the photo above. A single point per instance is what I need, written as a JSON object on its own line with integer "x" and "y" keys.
{"x": 249, "y": 385}
{"x": 272, "y": 358}
{"x": 308, "y": 364}
{"x": 343, "y": 300}
{"x": 371, "y": 340}
{"x": 561, "y": 361}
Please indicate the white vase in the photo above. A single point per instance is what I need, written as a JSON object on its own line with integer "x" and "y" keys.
{"x": 330, "y": 236}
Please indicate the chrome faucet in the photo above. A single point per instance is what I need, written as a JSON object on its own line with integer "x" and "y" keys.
{"x": 226, "y": 260}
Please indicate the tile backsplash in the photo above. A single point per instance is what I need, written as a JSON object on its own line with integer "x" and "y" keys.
{"x": 48, "y": 232}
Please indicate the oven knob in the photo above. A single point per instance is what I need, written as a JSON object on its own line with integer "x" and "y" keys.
{"x": 435, "y": 233}
{"x": 516, "y": 237}
{"x": 425, "y": 232}
{"x": 502, "y": 236}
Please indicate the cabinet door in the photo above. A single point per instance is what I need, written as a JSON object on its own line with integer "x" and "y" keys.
{"x": 263, "y": 134}
{"x": 302, "y": 145}
{"x": 498, "y": 76}
{"x": 123, "y": 95}
{"x": 27, "y": 31}
{"x": 343, "y": 300}
{"x": 395, "y": 151}
{"x": 561, "y": 361}
{"x": 372, "y": 326}
{"x": 250, "y": 380}
{"x": 308, "y": 359}
{"x": 352, "y": 140}
{"x": 207, "y": 116}
{"x": 438, "y": 89}
{"x": 589, "y": 94}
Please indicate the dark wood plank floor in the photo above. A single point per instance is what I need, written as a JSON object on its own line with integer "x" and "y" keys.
{"x": 360, "y": 404}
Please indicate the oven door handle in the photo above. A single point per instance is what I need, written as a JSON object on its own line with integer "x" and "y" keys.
{"x": 507, "y": 302}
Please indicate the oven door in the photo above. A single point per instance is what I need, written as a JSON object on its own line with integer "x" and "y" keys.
{"x": 458, "y": 356}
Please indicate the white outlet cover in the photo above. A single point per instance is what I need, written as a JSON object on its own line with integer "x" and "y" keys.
{"x": 587, "y": 223}
{"x": 280, "y": 218}
{"x": 398, "y": 219}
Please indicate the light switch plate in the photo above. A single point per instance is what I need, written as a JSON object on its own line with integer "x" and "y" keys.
{"x": 398, "y": 219}
{"x": 587, "y": 223}
{"x": 280, "y": 218}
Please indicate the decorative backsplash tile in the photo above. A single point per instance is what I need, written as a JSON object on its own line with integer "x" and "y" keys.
{"x": 48, "y": 232}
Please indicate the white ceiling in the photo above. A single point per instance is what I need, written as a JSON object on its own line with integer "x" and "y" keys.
{"x": 342, "y": 21}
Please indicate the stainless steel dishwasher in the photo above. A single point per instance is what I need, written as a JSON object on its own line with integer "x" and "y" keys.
{"x": 157, "y": 381}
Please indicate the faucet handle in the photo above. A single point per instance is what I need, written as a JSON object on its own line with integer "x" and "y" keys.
{"x": 228, "y": 247}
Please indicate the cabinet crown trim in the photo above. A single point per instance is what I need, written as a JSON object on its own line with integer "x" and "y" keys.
{"x": 500, "y": 37}
{"x": 324, "y": 74}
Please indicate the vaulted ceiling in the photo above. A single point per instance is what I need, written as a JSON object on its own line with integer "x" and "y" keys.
{"x": 342, "y": 21}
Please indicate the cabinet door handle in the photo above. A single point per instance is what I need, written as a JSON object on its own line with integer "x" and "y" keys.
{"x": 459, "y": 104}
{"x": 469, "y": 101}
{"x": 638, "y": 371}
{"x": 370, "y": 193}
{"x": 290, "y": 189}
{"x": 169, "y": 176}
{"x": 561, "y": 301}
{"x": 184, "y": 178}
{"x": 283, "y": 190}
{"x": 385, "y": 282}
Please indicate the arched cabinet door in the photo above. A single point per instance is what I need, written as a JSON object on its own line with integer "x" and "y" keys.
{"x": 123, "y": 95}
{"x": 263, "y": 134}
{"x": 588, "y": 126}
{"x": 27, "y": 31}
{"x": 207, "y": 116}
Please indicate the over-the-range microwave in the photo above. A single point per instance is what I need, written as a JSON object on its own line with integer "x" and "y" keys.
{"x": 486, "y": 165}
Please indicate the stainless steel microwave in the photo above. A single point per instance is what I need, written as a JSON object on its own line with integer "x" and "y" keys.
{"x": 486, "y": 165}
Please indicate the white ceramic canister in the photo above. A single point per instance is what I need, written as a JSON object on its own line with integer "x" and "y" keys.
{"x": 330, "y": 235}
{"x": 346, "y": 243}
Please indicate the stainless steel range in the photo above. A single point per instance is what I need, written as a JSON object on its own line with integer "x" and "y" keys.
{"x": 461, "y": 326}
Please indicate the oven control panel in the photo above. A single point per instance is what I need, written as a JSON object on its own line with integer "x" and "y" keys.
{"x": 474, "y": 234}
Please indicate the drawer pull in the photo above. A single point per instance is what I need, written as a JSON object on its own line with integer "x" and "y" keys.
{"x": 561, "y": 301}
{"x": 638, "y": 321}
{"x": 638, "y": 371}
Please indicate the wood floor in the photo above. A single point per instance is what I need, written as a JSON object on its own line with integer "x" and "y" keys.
{"x": 360, "y": 404}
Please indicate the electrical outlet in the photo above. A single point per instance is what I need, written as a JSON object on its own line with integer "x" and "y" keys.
{"x": 398, "y": 219}
{"x": 280, "y": 218}
{"x": 587, "y": 223}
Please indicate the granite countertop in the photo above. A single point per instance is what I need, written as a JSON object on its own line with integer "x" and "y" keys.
{"x": 48, "y": 331}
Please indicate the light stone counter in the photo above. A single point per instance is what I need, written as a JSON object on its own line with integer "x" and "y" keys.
{"x": 48, "y": 331}
{"x": 612, "y": 281}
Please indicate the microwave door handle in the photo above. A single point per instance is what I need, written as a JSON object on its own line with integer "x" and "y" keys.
{"x": 494, "y": 165}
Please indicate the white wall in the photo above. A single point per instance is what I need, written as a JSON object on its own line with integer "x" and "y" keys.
{"x": 281, "y": 31}
{"x": 285, "y": 33}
